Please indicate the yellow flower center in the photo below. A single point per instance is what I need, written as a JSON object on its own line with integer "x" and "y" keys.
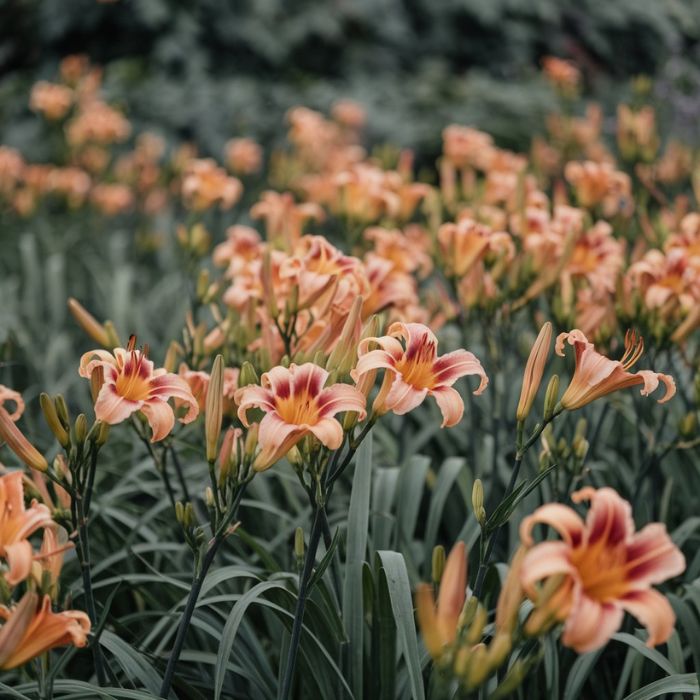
{"x": 130, "y": 384}
{"x": 298, "y": 410}
{"x": 418, "y": 370}
{"x": 601, "y": 570}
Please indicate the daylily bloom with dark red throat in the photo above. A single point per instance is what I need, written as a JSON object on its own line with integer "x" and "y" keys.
{"x": 605, "y": 567}
{"x": 596, "y": 375}
{"x": 132, "y": 384}
{"x": 416, "y": 371}
{"x": 296, "y": 404}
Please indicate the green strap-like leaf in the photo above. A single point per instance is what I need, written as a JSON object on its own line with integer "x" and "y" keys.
{"x": 680, "y": 683}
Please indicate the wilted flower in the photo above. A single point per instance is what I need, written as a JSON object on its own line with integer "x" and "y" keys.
{"x": 132, "y": 384}
{"x": 595, "y": 375}
{"x": 296, "y": 404}
{"x": 604, "y": 567}
{"x": 415, "y": 372}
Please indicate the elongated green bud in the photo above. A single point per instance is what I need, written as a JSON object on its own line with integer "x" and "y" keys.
{"x": 49, "y": 409}
{"x": 214, "y": 408}
{"x": 551, "y": 397}
{"x": 438, "y": 563}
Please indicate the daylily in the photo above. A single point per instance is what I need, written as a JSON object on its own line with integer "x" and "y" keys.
{"x": 132, "y": 384}
{"x": 17, "y": 523}
{"x": 601, "y": 569}
{"x": 296, "y": 404}
{"x": 28, "y": 632}
{"x": 596, "y": 375}
{"x": 416, "y": 371}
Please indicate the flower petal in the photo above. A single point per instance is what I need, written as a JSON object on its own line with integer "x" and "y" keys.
{"x": 451, "y": 405}
{"x": 403, "y": 397}
{"x": 19, "y": 560}
{"x": 160, "y": 417}
{"x": 329, "y": 432}
{"x": 652, "y": 557}
{"x": 609, "y": 518}
{"x": 453, "y": 365}
{"x": 654, "y": 611}
{"x": 591, "y": 624}
{"x": 341, "y": 397}
{"x": 112, "y": 408}
{"x": 544, "y": 560}
{"x": 566, "y": 521}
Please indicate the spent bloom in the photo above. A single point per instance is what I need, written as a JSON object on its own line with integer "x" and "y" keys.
{"x": 296, "y": 404}
{"x": 131, "y": 383}
{"x": 596, "y": 375}
{"x": 31, "y": 628}
{"x": 602, "y": 567}
{"x": 416, "y": 371}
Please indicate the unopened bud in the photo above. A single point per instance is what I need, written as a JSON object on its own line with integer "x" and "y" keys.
{"x": 214, "y": 408}
{"x": 209, "y": 497}
{"x": 81, "y": 429}
{"x": 476, "y": 628}
{"x": 498, "y": 650}
{"x": 180, "y": 512}
{"x": 478, "y": 669}
{"x": 112, "y": 335}
{"x": 294, "y": 457}
{"x": 251, "y": 440}
{"x": 49, "y": 409}
{"x": 688, "y": 425}
{"x": 268, "y": 287}
{"x": 19, "y": 444}
{"x": 478, "y": 502}
{"x": 551, "y": 397}
{"x": 172, "y": 356}
{"x": 99, "y": 433}
{"x": 189, "y": 518}
{"x": 62, "y": 411}
{"x": 438, "y": 563}
{"x": 202, "y": 285}
{"x": 299, "y": 544}
{"x": 534, "y": 370}
{"x": 247, "y": 375}
{"x": 92, "y": 327}
{"x": 344, "y": 355}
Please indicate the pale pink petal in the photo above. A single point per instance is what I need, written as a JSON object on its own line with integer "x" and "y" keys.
{"x": 307, "y": 379}
{"x": 112, "y": 408}
{"x": 450, "y": 404}
{"x": 403, "y": 397}
{"x": 278, "y": 381}
{"x": 419, "y": 338}
{"x": 652, "y": 557}
{"x": 563, "y": 519}
{"x": 329, "y": 432}
{"x": 654, "y": 611}
{"x": 341, "y": 397}
{"x": 609, "y": 518}
{"x": 169, "y": 385}
{"x": 374, "y": 359}
{"x": 590, "y": 624}
{"x": 388, "y": 344}
{"x": 160, "y": 417}
{"x": 92, "y": 359}
{"x": 253, "y": 396}
{"x": 572, "y": 337}
{"x": 275, "y": 439}
{"x": 651, "y": 381}
{"x": 450, "y": 367}
{"x": 19, "y": 560}
{"x": 543, "y": 560}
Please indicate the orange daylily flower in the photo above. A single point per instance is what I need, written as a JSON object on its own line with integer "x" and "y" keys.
{"x": 416, "y": 371}
{"x": 17, "y": 523}
{"x": 132, "y": 384}
{"x": 7, "y": 394}
{"x": 606, "y": 568}
{"x": 596, "y": 375}
{"x": 297, "y": 404}
{"x": 29, "y": 631}
{"x": 438, "y": 622}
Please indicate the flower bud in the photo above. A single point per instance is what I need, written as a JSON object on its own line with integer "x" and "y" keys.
{"x": 299, "y": 544}
{"x": 498, "y": 650}
{"x": 49, "y": 409}
{"x": 180, "y": 512}
{"x": 202, "y": 285}
{"x": 19, "y": 444}
{"x": 688, "y": 425}
{"x": 344, "y": 355}
{"x": 172, "y": 356}
{"x": 478, "y": 502}
{"x": 112, "y": 335}
{"x": 92, "y": 327}
{"x": 214, "y": 408}
{"x": 62, "y": 411}
{"x": 438, "y": 563}
{"x": 476, "y": 629}
{"x": 97, "y": 379}
{"x": 478, "y": 669}
{"x": 251, "y": 440}
{"x": 247, "y": 375}
{"x": 99, "y": 433}
{"x": 268, "y": 286}
{"x": 209, "y": 497}
{"x": 551, "y": 397}
{"x": 534, "y": 369}
{"x": 81, "y": 429}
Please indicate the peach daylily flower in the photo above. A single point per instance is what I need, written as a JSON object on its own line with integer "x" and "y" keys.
{"x": 297, "y": 404}
{"x": 607, "y": 569}
{"x": 416, "y": 371}
{"x": 17, "y": 523}
{"x": 438, "y": 622}
{"x": 132, "y": 384}
{"x": 596, "y": 375}
{"x": 29, "y": 631}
